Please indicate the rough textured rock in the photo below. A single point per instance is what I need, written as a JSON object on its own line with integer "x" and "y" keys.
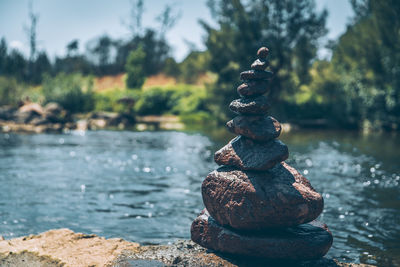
{"x": 250, "y": 106}
{"x": 54, "y": 113}
{"x": 306, "y": 241}
{"x": 259, "y": 64}
{"x": 263, "y": 52}
{"x": 65, "y": 248}
{"x": 7, "y": 112}
{"x": 255, "y": 75}
{"x": 247, "y": 154}
{"x": 29, "y": 107}
{"x": 253, "y": 88}
{"x": 261, "y": 128}
{"x": 248, "y": 200}
{"x": 26, "y": 116}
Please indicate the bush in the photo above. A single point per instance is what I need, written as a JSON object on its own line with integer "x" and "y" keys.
{"x": 10, "y": 91}
{"x": 72, "y": 91}
{"x": 177, "y": 100}
{"x": 108, "y": 100}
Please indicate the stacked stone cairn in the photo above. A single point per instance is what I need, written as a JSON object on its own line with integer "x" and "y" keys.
{"x": 256, "y": 204}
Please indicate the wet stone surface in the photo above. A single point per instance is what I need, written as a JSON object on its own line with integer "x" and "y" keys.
{"x": 305, "y": 241}
{"x": 259, "y": 64}
{"x": 252, "y": 88}
{"x": 261, "y": 128}
{"x": 255, "y": 75}
{"x": 250, "y": 106}
{"x": 247, "y": 154}
{"x": 245, "y": 200}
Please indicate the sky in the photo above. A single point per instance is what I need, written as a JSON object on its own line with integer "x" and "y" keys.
{"x": 61, "y": 21}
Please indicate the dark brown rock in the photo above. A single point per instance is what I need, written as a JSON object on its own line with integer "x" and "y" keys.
{"x": 248, "y": 200}
{"x": 251, "y": 106}
{"x": 253, "y": 88}
{"x": 261, "y": 128}
{"x": 7, "y": 112}
{"x": 303, "y": 242}
{"x": 259, "y": 64}
{"x": 262, "y": 53}
{"x": 255, "y": 75}
{"x": 247, "y": 154}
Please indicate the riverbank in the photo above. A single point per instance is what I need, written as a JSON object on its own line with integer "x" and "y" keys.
{"x": 63, "y": 247}
{"x": 52, "y": 118}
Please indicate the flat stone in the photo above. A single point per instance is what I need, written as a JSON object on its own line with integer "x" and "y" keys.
{"x": 255, "y": 75}
{"x": 247, "y": 154}
{"x": 261, "y": 128}
{"x": 253, "y": 88}
{"x": 303, "y": 242}
{"x": 252, "y": 106}
{"x": 248, "y": 200}
{"x": 259, "y": 64}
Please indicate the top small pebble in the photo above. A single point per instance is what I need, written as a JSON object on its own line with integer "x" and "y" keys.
{"x": 262, "y": 53}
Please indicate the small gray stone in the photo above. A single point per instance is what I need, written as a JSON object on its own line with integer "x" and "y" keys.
{"x": 255, "y": 75}
{"x": 259, "y": 64}
{"x": 253, "y": 88}
{"x": 260, "y": 128}
{"x": 251, "y": 106}
{"x": 262, "y": 53}
{"x": 247, "y": 154}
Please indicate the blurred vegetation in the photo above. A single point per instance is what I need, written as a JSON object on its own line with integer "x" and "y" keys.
{"x": 135, "y": 68}
{"x": 72, "y": 92}
{"x": 181, "y": 99}
{"x": 290, "y": 29}
{"x": 357, "y": 87}
{"x": 10, "y": 91}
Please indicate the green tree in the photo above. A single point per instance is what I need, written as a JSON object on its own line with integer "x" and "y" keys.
{"x": 16, "y": 65}
{"x": 10, "y": 91}
{"x": 289, "y": 28}
{"x": 3, "y": 56}
{"x": 367, "y": 57}
{"x": 195, "y": 64}
{"x": 135, "y": 68}
{"x": 41, "y": 66}
{"x": 100, "y": 52}
{"x": 171, "y": 68}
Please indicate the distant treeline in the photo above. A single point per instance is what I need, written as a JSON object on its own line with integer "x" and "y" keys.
{"x": 358, "y": 87}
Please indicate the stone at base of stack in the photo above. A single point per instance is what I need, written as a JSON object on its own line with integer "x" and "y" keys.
{"x": 303, "y": 242}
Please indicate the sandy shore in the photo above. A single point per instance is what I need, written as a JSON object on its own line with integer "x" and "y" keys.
{"x": 63, "y": 247}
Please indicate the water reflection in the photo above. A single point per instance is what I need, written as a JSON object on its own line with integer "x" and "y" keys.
{"x": 145, "y": 187}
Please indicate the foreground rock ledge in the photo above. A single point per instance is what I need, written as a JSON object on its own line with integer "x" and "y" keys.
{"x": 63, "y": 247}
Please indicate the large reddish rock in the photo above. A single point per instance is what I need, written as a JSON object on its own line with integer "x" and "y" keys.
{"x": 261, "y": 128}
{"x": 303, "y": 242}
{"x": 253, "y": 88}
{"x": 251, "y": 106}
{"x": 248, "y": 200}
{"x": 247, "y": 154}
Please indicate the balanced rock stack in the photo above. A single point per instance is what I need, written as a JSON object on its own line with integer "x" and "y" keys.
{"x": 256, "y": 204}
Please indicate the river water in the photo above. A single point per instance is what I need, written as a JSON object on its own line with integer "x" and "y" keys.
{"x": 145, "y": 186}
